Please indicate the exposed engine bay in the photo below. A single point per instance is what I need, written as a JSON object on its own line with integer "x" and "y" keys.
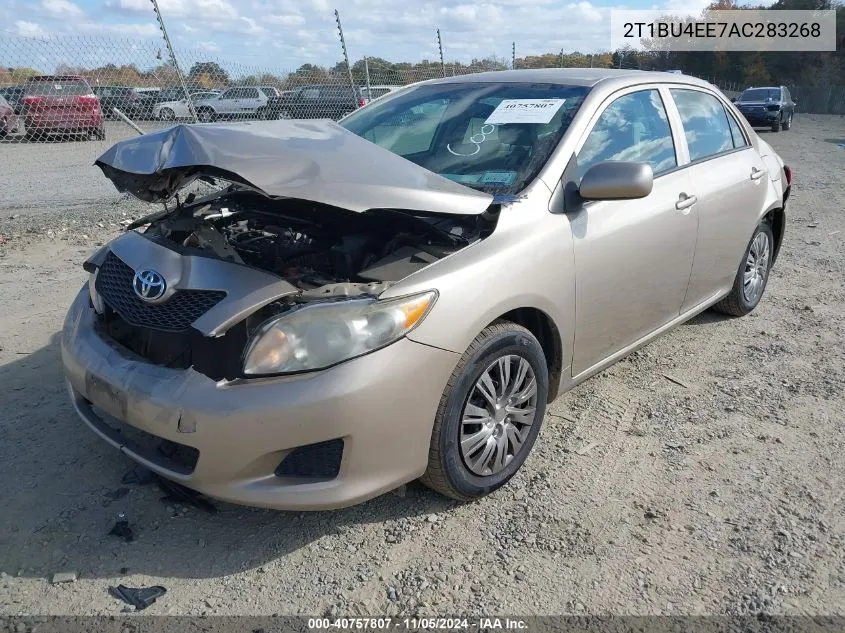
{"x": 311, "y": 245}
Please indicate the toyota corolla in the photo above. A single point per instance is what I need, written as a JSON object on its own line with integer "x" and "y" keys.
{"x": 351, "y": 306}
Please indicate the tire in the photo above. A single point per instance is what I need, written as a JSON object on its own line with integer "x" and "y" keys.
{"x": 738, "y": 302}
{"x": 206, "y": 115}
{"x": 776, "y": 125}
{"x": 282, "y": 115}
{"x": 100, "y": 134}
{"x": 787, "y": 125}
{"x": 166, "y": 114}
{"x": 450, "y": 471}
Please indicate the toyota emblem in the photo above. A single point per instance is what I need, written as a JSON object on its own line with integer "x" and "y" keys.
{"x": 149, "y": 285}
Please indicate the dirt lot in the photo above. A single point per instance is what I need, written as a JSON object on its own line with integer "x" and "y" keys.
{"x": 703, "y": 474}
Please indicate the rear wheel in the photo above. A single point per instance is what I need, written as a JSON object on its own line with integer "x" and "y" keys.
{"x": 490, "y": 413}
{"x": 100, "y": 134}
{"x": 166, "y": 114}
{"x": 788, "y": 123}
{"x": 206, "y": 115}
{"x": 753, "y": 274}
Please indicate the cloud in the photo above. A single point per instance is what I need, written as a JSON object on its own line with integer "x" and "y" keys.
{"x": 61, "y": 9}
{"x": 29, "y": 29}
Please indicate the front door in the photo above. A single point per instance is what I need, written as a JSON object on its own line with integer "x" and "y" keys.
{"x": 632, "y": 257}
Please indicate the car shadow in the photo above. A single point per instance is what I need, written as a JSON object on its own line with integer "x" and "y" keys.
{"x": 62, "y": 494}
{"x": 835, "y": 141}
{"x": 708, "y": 317}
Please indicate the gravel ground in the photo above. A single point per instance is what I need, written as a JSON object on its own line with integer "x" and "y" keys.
{"x": 701, "y": 475}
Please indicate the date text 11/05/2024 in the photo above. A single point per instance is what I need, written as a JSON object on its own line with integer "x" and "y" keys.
{"x": 418, "y": 623}
{"x": 748, "y": 30}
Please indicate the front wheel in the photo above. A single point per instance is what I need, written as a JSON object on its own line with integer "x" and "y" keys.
{"x": 166, "y": 114}
{"x": 788, "y": 123}
{"x": 490, "y": 413}
{"x": 753, "y": 274}
{"x": 776, "y": 125}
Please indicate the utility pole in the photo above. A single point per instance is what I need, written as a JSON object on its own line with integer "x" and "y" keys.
{"x": 513, "y": 55}
{"x": 173, "y": 61}
{"x": 346, "y": 58}
{"x": 440, "y": 48}
{"x": 561, "y": 58}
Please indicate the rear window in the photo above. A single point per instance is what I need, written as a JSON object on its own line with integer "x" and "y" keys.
{"x": 57, "y": 88}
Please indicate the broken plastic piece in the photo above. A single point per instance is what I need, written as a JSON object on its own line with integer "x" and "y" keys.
{"x": 140, "y": 475}
{"x": 140, "y": 598}
{"x": 122, "y": 530}
{"x": 179, "y": 494}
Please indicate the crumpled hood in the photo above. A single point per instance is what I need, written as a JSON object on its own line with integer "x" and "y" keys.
{"x": 318, "y": 161}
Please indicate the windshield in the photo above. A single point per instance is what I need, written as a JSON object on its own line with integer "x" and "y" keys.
{"x": 490, "y": 136}
{"x": 761, "y": 94}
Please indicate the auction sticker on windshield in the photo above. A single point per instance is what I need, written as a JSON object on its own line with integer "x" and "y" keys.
{"x": 524, "y": 111}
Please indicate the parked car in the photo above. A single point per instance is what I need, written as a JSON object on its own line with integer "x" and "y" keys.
{"x": 234, "y": 103}
{"x": 330, "y": 101}
{"x": 767, "y": 107}
{"x": 7, "y": 117}
{"x": 172, "y": 110}
{"x": 375, "y": 302}
{"x": 120, "y": 97}
{"x": 61, "y": 104}
{"x": 14, "y": 96}
{"x": 144, "y": 105}
{"x": 374, "y": 92}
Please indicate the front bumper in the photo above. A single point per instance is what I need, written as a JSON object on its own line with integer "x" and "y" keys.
{"x": 381, "y": 405}
{"x": 761, "y": 118}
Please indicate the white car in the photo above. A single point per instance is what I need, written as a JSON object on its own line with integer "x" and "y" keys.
{"x": 172, "y": 110}
{"x": 374, "y": 92}
{"x": 236, "y": 102}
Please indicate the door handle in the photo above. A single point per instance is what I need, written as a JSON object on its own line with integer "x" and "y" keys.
{"x": 756, "y": 174}
{"x": 685, "y": 202}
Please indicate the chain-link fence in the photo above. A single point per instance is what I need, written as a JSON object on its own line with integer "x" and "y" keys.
{"x": 65, "y": 100}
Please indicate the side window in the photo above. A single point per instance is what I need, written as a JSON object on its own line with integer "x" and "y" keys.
{"x": 311, "y": 93}
{"x": 736, "y": 132}
{"x": 632, "y": 128}
{"x": 786, "y": 96}
{"x": 249, "y": 93}
{"x": 705, "y": 123}
{"x": 229, "y": 94}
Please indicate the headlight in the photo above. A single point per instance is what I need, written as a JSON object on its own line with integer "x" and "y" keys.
{"x": 324, "y": 334}
{"x": 96, "y": 300}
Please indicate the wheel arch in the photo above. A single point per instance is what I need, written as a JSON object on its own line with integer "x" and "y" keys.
{"x": 543, "y": 327}
{"x": 777, "y": 219}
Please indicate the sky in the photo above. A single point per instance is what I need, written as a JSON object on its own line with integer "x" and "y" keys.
{"x": 288, "y": 33}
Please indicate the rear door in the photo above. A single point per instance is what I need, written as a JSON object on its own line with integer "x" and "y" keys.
{"x": 250, "y": 101}
{"x": 229, "y": 101}
{"x": 729, "y": 181}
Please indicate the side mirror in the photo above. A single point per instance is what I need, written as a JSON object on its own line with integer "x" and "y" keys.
{"x": 617, "y": 180}
{"x": 735, "y": 99}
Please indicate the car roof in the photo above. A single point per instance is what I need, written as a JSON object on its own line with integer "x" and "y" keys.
{"x": 56, "y": 78}
{"x": 587, "y": 77}
{"x": 764, "y": 88}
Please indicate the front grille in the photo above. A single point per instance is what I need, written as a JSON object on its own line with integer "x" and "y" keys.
{"x": 114, "y": 285}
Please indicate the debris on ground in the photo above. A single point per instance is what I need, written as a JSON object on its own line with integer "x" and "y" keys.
{"x": 140, "y": 597}
{"x": 675, "y": 380}
{"x": 64, "y": 576}
{"x": 122, "y": 530}
{"x": 138, "y": 475}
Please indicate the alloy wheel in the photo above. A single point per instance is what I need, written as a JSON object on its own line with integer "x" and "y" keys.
{"x": 498, "y": 415}
{"x": 756, "y": 268}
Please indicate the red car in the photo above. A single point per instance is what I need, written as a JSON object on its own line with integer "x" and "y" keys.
{"x": 7, "y": 115}
{"x": 61, "y": 104}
